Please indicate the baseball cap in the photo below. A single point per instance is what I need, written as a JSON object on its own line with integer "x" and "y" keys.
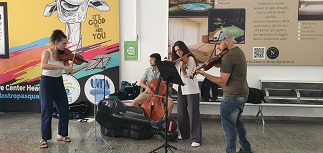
{"x": 222, "y": 34}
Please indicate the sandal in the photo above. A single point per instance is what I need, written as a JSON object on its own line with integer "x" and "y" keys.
{"x": 64, "y": 139}
{"x": 43, "y": 144}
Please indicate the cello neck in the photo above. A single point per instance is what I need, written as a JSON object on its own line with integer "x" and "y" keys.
{"x": 158, "y": 85}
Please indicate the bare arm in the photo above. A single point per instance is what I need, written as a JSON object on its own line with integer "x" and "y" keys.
{"x": 143, "y": 85}
{"x": 221, "y": 80}
{"x": 80, "y": 68}
{"x": 44, "y": 62}
{"x": 45, "y": 65}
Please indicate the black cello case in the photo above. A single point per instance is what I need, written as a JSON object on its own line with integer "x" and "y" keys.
{"x": 119, "y": 120}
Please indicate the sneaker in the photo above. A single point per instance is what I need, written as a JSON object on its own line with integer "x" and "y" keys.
{"x": 195, "y": 144}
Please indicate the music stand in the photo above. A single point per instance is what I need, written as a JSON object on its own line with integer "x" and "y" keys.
{"x": 169, "y": 74}
{"x": 98, "y": 62}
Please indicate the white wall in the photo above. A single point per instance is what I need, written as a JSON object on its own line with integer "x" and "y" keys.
{"x": 149, "y": 20}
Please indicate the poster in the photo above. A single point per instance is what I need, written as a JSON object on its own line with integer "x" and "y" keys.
{"x": 131, "y": 50}
{"x": 276, "y": 32}
{"x": 92, "y": 29}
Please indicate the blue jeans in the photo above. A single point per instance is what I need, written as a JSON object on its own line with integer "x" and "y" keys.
{"x": 231, "y": 109}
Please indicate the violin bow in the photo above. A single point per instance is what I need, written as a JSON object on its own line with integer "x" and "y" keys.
{"x": 214, "y": 49}
{"x": 191, "y": 52}
{"x": 73, "y": 58}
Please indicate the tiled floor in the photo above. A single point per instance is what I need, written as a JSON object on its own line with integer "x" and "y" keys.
{"x": 20, "y": 132}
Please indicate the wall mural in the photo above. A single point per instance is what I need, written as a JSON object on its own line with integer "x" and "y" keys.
{"x": 92, "y": 28}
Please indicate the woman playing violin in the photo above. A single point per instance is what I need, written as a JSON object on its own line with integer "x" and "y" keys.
{"x": 233, "y": 80}
{"x": 52, "y": 89}
{"x": 188, "y": 111}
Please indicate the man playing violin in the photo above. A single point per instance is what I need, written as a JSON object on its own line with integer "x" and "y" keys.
{"x": 151, "y": 73}
{"x": 233, "y": 79}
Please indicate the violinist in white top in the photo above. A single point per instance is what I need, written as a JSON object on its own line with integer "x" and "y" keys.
{"x": 188, "y": 104}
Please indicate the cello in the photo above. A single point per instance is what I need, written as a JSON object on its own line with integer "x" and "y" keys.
{"x": 154, "y": 105}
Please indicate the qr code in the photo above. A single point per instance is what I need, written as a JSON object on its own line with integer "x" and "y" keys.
{"x": 258, "y": 52}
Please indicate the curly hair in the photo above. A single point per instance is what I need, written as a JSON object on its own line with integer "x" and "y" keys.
{"x": 57, "y": 35}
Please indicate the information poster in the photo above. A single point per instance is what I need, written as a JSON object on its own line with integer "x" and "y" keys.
{"x": 279, "y": 32}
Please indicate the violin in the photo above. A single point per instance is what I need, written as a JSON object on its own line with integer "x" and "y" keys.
{"x": 211, "y": 62}
{"x": 184, "y": 58}
{"x": 154, "y": 105}
{"x": 66, "y": 55}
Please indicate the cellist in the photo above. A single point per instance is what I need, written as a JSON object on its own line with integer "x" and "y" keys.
{"x": 151, "y": 73}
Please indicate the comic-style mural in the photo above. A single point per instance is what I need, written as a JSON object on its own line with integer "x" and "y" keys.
{"x": 92, "y": 28}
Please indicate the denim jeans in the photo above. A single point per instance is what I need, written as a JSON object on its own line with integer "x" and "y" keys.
{"x": 231, "y": 109}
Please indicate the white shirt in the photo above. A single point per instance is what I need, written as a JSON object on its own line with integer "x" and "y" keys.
{"x": 56, "y": 72}
{"x": 191, "y": 86}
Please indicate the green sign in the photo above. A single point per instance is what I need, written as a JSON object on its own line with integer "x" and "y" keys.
{"x": 130, "y": 50}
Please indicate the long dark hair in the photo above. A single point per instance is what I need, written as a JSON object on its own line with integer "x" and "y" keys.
{"x": 184, "y": 48}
